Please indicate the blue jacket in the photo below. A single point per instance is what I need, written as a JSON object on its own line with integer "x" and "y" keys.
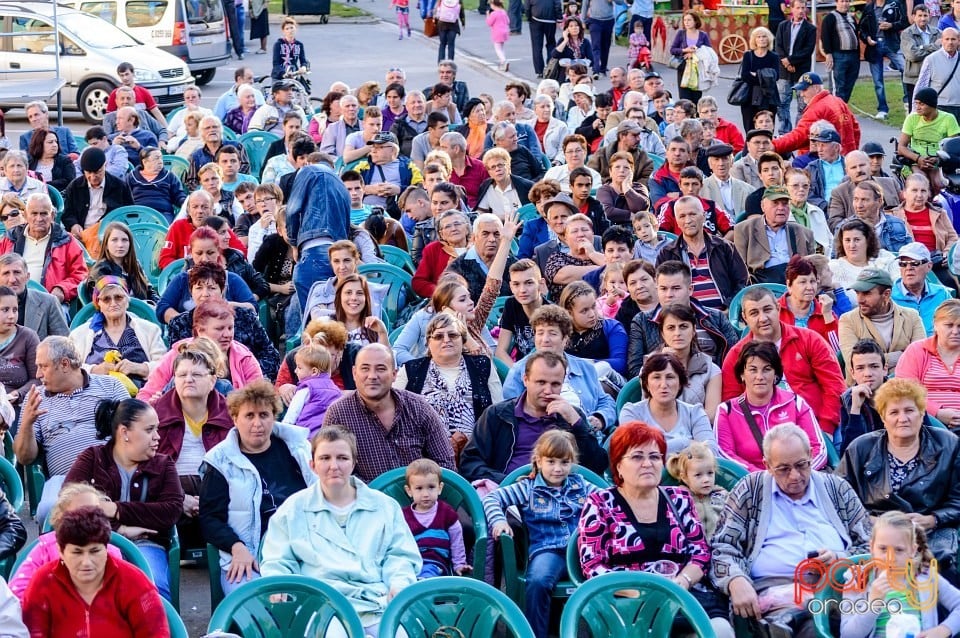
{"x": 68, "y": 145}
{"x": 582, "y": 377}
{"x": 177, "y": 294}
{"x": 550, "y": 514}
{"x": 535, "y": 232}
{"x": 319, "y": 206}
{"x": 893, "y": 233}
{"x": 933, "y": 296}
{"x": 162, "y": 194}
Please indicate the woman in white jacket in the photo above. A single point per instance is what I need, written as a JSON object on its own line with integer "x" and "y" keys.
{"x": 556, "y": 130}
{"x": 343, "y": 533}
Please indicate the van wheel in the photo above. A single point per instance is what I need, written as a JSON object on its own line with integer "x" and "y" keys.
{"x": 204, "y": 77}
{"x": 93, "y": 101}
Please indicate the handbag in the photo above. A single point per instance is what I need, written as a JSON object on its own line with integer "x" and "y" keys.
{"x": 430, "y": 27}
{"x": 550, "y": 70}
{"x": 675, "y": 62}
{"x": 740, "y": 93}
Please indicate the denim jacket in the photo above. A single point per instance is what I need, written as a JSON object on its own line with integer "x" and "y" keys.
{"x": 893, "y": 233}
{"x": 319, "y": 206}
{"x": 550, "y": 514}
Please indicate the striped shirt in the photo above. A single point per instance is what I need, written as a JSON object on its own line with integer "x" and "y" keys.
{"x": 943, "y": 385}
{"x": 704, "y": 288}
{"x": 68, "y": 428}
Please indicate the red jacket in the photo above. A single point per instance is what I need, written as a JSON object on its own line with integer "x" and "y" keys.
{"x": 809, "y": 367}
{"x": 729, "y": 133}
{"x": 823, "y": 106}
{"x": 63, "y": 266}
{"x": 127, "y": 605}
{"x": 177, "y": 243}
{"x": 172, "y": 424}
{"x": 815, "y": 322}
{"x": 433, "y": 261}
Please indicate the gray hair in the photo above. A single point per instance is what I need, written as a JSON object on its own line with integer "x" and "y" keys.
{"x": 197, "y": 193}
{"x": 193, "y": 87}
{"x": 707, "y": 100}
{"x": 397, "y": 69}
{"x": 689, "y": 200}
{"x": 549, "y": 83}
{"x": 454, "y": 139}
{"x": 917, "y": 177}
{"x": 450, "y": 64}
{"x": 820, "y": 126}
{"x": 783, "y": 432}
{"x": 60, "y": 348}
{"x": 501, "y": 105}
{"x": 486, "y": 218}
{"x": 37, "y": 104}
{"x": 543, "y": 99}
{"x": 416, "y": 93}
{"x": 43, "y": 199}
{"x": 15, "y": 154}
{"x": 211, "y": 118}
{"x": 244, "y": 89}
{"x": 632, "y": 73}
{"x": 689, "y": 126}
{"x": 632, "y": 99}
{"x": 348, "y": 99}
{"x": 501, "y": 128}
{"x": 860, "y": 155}
{"x": 128, "y": 89}
{"x": 8, "y": 259}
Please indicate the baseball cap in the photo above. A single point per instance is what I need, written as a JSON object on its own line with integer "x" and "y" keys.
{"x": 651, "y": 75}
{"x": 281, "y": 85}
{"x": 628, "y": 126}
{"x": 915, "y": 250}
{"x": 872, "y": 149}
{"x": 384, "y": 137}
{"x": 806, "y": 81}
{"x": 827, "y": 136}
{"x": 870, "y": 278}
{"x": 776, "y": 192}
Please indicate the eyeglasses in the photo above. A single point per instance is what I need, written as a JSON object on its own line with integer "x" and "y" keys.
{"x": 452, "y": 225}
{"x": 912, "y": 263}
{"x": 784, "y": 471}
{"x": 265, "y": 200}
{"x": 653, "y": 458}
{"x": 112, "y": 299}
{"x": 443, "y": 336}
{"x": 493, "y": 167}
{"x": 12, "y": 214}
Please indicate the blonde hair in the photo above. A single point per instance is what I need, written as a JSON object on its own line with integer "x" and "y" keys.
{"x": 902, "y": 522}
{"x": 313, "y": 356}
{"x": 553, "y": 444}
{"x": 696, "y": 451}
{"x": 67, "y": 493}
{"x": 437, "y": 156}
{"x": 761, "y": 31}
{"x": 423, "y": 467}
{"x": 208, "y": 167}
{"x": 949, "y": 309}
{"x": 897, "y": 389}
{"x": 611, "y": 269}
{"x": 206, "y": 346}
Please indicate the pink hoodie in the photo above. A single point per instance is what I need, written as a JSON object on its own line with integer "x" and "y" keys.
{"x": 244, "y": 368}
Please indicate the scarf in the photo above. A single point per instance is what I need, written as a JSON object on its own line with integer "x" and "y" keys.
{"x": 574, "y": 44}
{"x": 800, "y": 214}
{"x": 475, "y": 140}
{"x": 97, "y": 320}
{"x": 454, "y": 405}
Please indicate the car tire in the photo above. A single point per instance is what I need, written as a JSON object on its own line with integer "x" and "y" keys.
{"x": 204, "y": 77}
{"x": 93, "y": 101}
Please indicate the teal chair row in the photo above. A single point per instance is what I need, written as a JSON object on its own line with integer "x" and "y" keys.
{"x": 8, "y": 447}
{"x": 493, "y": 319}
{"x": 631, "y": 392}
{"x": 256, "y": 144}
{"x": 400, "y": 282}
{"x": 148, "y": 238}
{"x": 131, "y": 215}
{"x": 10, "y": 484}
{"x": 172, "y": 269}
{"x": 398, "y": 257}
{"x": 176, "y": 165}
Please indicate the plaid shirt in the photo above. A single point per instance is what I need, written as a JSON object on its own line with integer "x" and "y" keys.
{"x": 416, "y": 432}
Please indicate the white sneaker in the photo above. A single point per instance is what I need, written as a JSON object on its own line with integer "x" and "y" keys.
{"x": 881, "y": 115}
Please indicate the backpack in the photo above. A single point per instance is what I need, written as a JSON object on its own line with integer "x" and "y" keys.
{"x": 448, "y": 11}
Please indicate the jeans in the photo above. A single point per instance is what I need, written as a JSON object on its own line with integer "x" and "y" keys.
{"x": 314, "y": 265}
{"x": 601, "y": 37}
{"x": 160, "y": 568}
{"x": 515, "y": 12}
{"x": 846, "y": 70}
{"x": 448, "y": 39}
{"x": 783, "y": 111}
{"x": 543, "y": 572}
{"x": 876, "y": 71}
{"x": 228, "y": 587}
{"x": 542, "y": 35}
{"x": 241, "y": 20}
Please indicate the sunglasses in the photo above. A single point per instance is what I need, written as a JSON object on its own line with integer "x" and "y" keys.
{"x": 911, "y": 263}
{"x": 14, "y": 213}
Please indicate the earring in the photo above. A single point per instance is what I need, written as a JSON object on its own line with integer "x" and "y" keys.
{"x": 127, "y": 439}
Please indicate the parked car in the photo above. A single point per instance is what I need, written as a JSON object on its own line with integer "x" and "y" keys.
{"x": 90, "y": 51}
{"x": 193, "y": 30}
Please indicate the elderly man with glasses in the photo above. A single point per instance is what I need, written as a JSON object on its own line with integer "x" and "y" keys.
{"x": 913, "y": 289}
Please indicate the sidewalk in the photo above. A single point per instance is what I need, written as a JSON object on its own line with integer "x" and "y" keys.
{"x": 474, "y": 47}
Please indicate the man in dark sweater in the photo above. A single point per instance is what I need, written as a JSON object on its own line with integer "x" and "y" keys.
{"x": 475, "y": 263}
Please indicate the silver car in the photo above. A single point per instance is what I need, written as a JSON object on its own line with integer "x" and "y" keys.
{"x": 90, "y": 51}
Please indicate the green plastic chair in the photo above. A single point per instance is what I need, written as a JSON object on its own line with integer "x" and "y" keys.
{"x": 729, "y": 474}
{"x": 833, "y": 458}
{"x": 213, "y": 572}
{"x": 148, "y": 239}
{"x": 665, "y": 234}
{"x": 432, "y": 607}
{"x": 631, "y": 392}
{"x": 737, "y": 301}
{"x": 256, "y": 144}
{"x": 821, "y": 622}
{"x": 10, "y": 484}
{"x": 228, "y": 134}
{"x": 527, "y": 212}
{"x": 174, "y": 622}
{"x": 457, "y": 492}
{"x": 651, "y": 614}
{"x": 741, "y": 217}
{"x": 80, "y": 141}
{"x": 574, "y": 570}
{"x": 305, "y": 606}
{"x": 176, "y": 165}
{"x": 57, "y": 200}
{"x": 33, "y": 285}
{"x": 34, "y": 479}
{"x": 502, "y": 369}
{"x": 131, "y": 553}
{"x": 493, "y": 319}
{"x": 8, "y": 447}
{"x": 138, "y": 308}
{"x": 400, "y": 282}
{"x": 174, "y": 268}
{"x": 131, "y": 215}
{"x": 514, "y": 551}
{"x": 399, "y": 258}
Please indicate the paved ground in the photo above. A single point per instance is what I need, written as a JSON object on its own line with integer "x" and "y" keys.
{"x": 362, "y": 50}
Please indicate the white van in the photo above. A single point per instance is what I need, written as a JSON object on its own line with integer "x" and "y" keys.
{"x": 90, "y": 51}
{"x": 193, "y": 30}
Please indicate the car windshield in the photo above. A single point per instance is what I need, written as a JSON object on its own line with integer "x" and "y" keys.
{"x": 203, "y": 11}
{"x": 97, "y": 33}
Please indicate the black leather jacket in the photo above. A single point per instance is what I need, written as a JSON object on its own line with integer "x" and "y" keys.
{"x": 13, "y": 534}
{"x": 932, "y": 488}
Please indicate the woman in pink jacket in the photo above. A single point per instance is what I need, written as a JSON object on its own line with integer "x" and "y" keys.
{"x": 212, "y": 319}
{"x": 933, "y": 363}
{"x": 743, "y": 421}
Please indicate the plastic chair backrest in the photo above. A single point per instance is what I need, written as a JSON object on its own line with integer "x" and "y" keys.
{"x": 80, "y": 141}
{"x": 666, "y": 234}
{"x": 33, "y": 285}
{"x": 833, "y": 458}
{"x": 174, "y": 622}
{"x": 176, "y": 165}
{"x": 137, "y": 307}
{"x": 256, "y": 144}
{"x": 57, "y": 200}
{"x": 174, "y": 268}
{"x": 502, "y": 369}
{"x": 131, "y": 554}
{"x": 493, "y": 319}
{"x": 457, "y": 492}
{"x": 631, "y": 392}
{"x": 400, "y": 282}
{"x": 10, "y": 484}
{"x": 8, "y": 447}
{"x": 228, "y": 134}
{"x": 398, "y": 257}
{"x": 149, "y": 239}
{"x": 280, "y": 606}
{"x": 131, "y": 215}
{"x": 821, "y": 621}
{"x": 657, "y": 161}
{"x": 527, "y": 212}
{"x": 473, "y": 607}
{"x": 574, "y": 571}
{"x": 659, "y": 603}
{"x": 589, "y": 475}
{"x": 777, "y": 289}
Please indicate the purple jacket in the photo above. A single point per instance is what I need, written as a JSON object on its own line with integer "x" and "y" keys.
{"x": 680, "y": 42}
{"x": 323, "y": 392}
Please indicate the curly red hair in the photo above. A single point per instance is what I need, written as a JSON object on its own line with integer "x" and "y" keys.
{"x": 628, "y": 436}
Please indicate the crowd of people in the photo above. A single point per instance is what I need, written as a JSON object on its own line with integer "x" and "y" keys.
{"x": 621, "y": 280}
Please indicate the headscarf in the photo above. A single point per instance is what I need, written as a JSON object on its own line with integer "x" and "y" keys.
{"x": 97, "y": 321}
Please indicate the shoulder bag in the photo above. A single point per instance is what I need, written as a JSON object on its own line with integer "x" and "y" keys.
{"x": 740, "y": 92}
